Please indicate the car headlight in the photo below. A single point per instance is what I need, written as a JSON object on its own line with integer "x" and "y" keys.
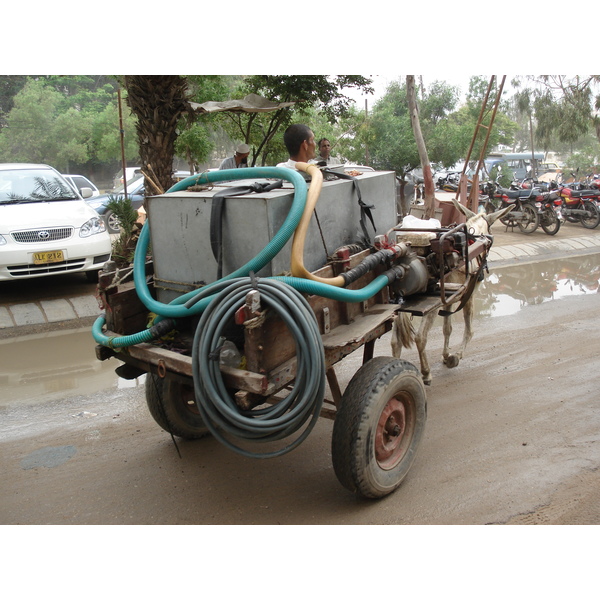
{"x": 92, "y": 227}
{"x": 2, "y": 240}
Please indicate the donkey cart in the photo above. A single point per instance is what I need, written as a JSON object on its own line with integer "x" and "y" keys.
{"x": 251, "y": 358}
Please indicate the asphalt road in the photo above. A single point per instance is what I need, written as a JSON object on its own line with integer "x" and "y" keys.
{"x": 513, "y": 436}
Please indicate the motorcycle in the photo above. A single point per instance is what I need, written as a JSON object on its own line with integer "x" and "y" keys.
{"x": 525, "y": 215}
{"x": 448, "y": 183}
{"x": 578, "y": 205}
{"x": 550, "y": 218}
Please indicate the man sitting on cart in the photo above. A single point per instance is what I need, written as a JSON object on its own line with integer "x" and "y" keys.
{"x": 300, "y": 143}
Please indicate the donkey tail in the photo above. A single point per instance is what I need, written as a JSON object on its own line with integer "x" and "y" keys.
{"x": 403, "y": 333}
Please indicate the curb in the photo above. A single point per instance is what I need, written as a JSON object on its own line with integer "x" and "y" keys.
{"x": 503, "y": 255}
{"x": 48, "y": 315}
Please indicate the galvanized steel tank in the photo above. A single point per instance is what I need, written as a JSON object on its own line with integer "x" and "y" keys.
{"x": 180, "y": 228}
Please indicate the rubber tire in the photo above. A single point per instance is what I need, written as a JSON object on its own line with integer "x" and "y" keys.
{"x": 112, "y": 223}
{"x": 592, "y": 222}
{"x": 173, "y": 407}
{"x": 533, "y": 220}
{"x": 549, "y": 221}
{"x": 378, "y": 382}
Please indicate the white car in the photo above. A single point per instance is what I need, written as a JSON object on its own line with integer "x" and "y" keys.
{"x": 78, "y": 182}
{"x": 46, "y": 227}
{"x": 130, "y": 173}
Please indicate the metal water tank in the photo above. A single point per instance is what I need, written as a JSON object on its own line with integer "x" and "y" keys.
{"x": 180, "y": 228}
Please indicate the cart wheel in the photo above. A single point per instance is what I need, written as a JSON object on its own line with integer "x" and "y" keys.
{"x": 378, "y": 426}
{"x": 173, "y": 407}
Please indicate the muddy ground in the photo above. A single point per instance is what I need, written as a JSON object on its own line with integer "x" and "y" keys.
{"x": 512, "y": 437}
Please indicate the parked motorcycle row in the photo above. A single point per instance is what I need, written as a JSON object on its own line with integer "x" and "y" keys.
{"x": 542, "y": 204}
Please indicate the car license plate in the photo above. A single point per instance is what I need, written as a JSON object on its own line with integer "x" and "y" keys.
{"x": 42, "y": 258}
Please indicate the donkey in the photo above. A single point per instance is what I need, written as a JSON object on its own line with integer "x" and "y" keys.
{"x": 403, "y": 332}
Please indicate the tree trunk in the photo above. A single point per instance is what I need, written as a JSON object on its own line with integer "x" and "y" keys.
{"x": 158, "y": 101}
{"x": 425, "y": 165}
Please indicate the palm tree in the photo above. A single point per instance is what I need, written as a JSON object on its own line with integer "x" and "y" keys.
{"x": 158, "y": 101}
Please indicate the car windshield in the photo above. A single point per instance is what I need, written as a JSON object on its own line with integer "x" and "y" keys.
{"x": 132, "y": 184}
{"x": 21, "y": 186}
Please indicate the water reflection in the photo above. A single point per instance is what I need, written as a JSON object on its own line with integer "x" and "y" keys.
{"x": 505, "y": 291}
{"x": 43, "y": 367}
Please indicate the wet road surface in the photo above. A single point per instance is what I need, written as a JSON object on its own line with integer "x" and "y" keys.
{"x": 511, "y": 432}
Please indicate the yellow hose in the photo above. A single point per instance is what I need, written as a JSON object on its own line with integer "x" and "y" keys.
{"x": 297, "y": 266}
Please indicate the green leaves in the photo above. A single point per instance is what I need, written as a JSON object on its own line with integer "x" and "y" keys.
{"x": 58, "y": 120}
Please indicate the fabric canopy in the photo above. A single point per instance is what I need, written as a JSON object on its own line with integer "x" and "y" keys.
{"x": 252, "y": 103}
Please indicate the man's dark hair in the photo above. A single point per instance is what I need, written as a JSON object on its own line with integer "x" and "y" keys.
{"x": 294, "y": 136}
{"x": 321, "y": 141}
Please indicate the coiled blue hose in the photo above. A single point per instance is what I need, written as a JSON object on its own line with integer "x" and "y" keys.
{"x": 219, "y": 412}
{"x": 218, "y": 302}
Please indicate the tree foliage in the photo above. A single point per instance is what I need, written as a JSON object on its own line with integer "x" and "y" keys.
{"x": 389, "y": 134}
{"x": 564, "y": 108}
{"x": 503, "y": 130}
{"x": 260, "y": 130}
{"x": 197, "y": 134}
{"x": 64, "y": 120}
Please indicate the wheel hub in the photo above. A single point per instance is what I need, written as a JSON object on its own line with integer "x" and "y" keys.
{"x": 389, "y": 434}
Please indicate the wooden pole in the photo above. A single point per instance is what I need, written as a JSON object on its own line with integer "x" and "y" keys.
{"x": 122, "y": 132}
{"x": 425, "y": 165}
{"x": 366, "y": 146}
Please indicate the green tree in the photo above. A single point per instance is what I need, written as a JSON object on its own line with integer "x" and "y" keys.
{"x": 260, "y": 130}
{"x": 389, "y": 132}
{"x": 28, "y": 135}
{"x": 195, "y": 141}
{"x": 564, "y": 108}
{"x": 106, "y": 138}
{"x": 64, "y": 121}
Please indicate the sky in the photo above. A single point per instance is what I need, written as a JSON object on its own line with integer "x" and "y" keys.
{"x": 381, "y": 82}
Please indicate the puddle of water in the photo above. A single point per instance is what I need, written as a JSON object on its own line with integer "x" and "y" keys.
{"x": 43, "y": 367}
{"x": 507, "y": 290}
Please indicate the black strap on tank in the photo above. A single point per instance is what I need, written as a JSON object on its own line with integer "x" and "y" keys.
{"x": 216, "y": 215}
{"x": 365, "y": 209}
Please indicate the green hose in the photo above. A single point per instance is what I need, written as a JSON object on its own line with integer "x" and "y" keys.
{"x": 174, "y": 309}
{"x": 263, "y": 258}
{"x": 196, "y": 301}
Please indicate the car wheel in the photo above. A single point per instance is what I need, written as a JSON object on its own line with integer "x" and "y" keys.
{"x": 112, "y": 223}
